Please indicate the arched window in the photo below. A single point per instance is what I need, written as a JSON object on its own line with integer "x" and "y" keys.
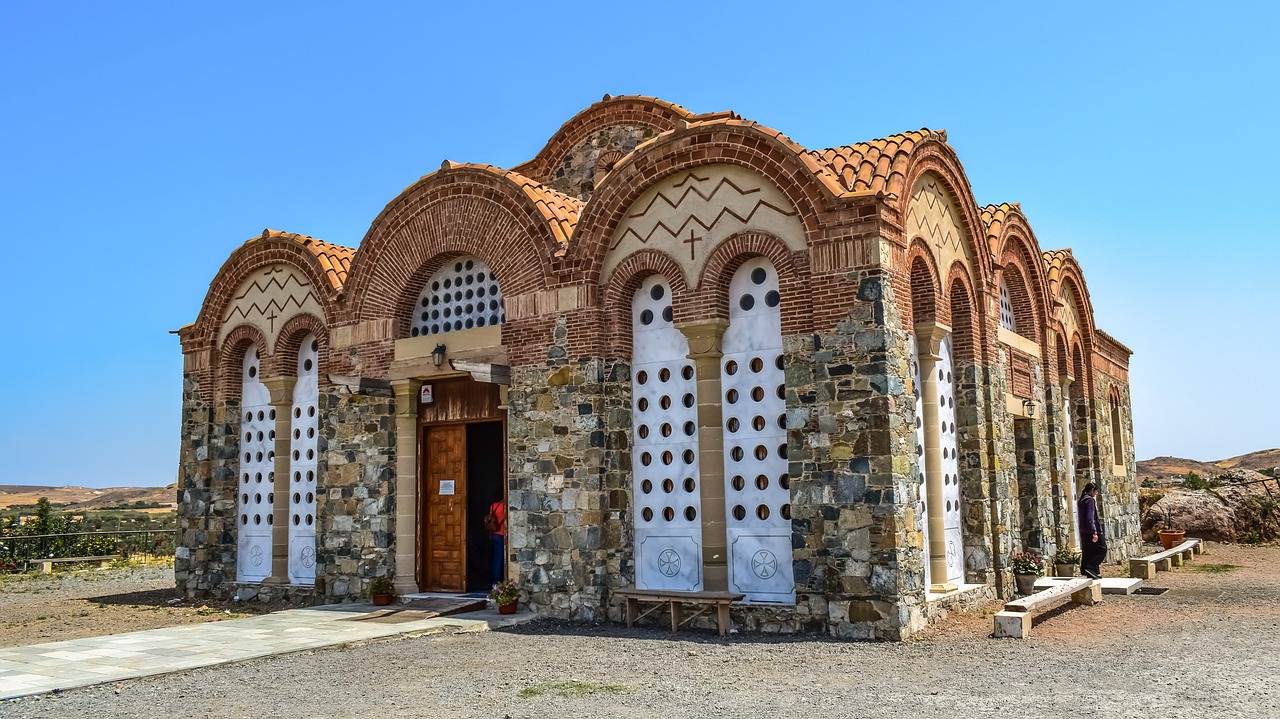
{"x": 757, "y": 487}
{"x": 303, "y": 443}
{"x": 664, "y": 454}
{"x": 1007, "y": 318}
{"x": 459, "y": 296}
{"x": 257, "y": 478}
{"x": 1117, "y": 431}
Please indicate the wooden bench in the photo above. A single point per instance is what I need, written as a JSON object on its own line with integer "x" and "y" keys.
{"x": 46, "y": 563}
{"x": 706, "y": 601}
{"x": 1146, "y": 567}
{"x": 1015, "y": 620}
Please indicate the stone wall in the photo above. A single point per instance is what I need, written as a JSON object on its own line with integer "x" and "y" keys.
{"x": 1118, "y": 493}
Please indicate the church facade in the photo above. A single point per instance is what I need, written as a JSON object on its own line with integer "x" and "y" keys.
{"x": 685, "y": 353}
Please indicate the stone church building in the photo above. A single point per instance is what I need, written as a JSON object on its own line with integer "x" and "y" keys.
{"x": 688, "y": 354}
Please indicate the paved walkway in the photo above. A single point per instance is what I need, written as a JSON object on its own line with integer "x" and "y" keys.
{"x": 43, "y": 668}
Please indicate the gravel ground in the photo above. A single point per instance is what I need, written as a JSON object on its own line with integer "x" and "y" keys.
{"x": 38, "y": 608}
{"x": 1205, "y": 648}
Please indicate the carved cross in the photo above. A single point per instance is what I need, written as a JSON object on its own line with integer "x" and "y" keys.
{"x": 690, "y": 242}
{"x": 272, "y": 317}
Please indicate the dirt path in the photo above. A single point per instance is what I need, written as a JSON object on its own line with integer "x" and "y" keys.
{"x": 69, "y": 605}
{"x": 1205, "y": 648}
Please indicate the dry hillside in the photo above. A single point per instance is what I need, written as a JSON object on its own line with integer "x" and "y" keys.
{"x": 1163, "y": 467}
{"x": 85, "y": 497}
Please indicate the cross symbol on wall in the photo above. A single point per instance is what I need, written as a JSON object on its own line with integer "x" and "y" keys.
{"x": 272, "y": 317}
{"x": 690, "y": 242}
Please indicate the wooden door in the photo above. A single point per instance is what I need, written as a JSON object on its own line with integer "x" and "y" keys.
{"x": 444, "y": 492}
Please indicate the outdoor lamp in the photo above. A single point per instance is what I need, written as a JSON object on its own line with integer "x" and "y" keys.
{"x": 437, "y": 355}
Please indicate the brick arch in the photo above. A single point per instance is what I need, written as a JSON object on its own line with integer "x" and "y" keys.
{"x": 1082, "y": 388}
{"x": 289, "y": 342}
{"x": 1025, "y": 309}
{"x": 246, "y": 259}
{"x": 966, "y": 324}
{"x": 922, "y": 304}
{"x": 1019, "y": 249}
{"x": 1060, "y": 349}
{"x": 635, "y": 110}
{"x": 231, "y": 356}
{"x": 745, "y": 145}
{"x": 458, "y": 210}
{"x": 1072, "y": 277}
{"x": 793, "y": 278}
{"x": 934, "y": 156}
{"x": 622, "y": 286}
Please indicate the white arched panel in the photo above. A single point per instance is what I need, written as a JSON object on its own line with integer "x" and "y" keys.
{"x": 1071, "y": 466}
{"x": 757, "y": 487}
{"x": 922, "y": 506}
{"x": 303, "y": 447}
{"x": 459, "y": 296}
{"x": 256, "y": 485}
{"x": 1007, "y": 318}
{"x": 950, "y": 499}
{"x": 664, "y": 455}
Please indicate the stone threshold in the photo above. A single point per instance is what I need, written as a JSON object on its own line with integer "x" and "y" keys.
{"x": 958, "y": 592}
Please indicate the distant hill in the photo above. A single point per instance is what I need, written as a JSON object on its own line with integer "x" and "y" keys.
{"x": 1161, "y": 467}
{"x": 85, "y": 497}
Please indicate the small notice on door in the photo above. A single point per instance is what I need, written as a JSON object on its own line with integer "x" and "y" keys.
{"x": 446, "y": 486}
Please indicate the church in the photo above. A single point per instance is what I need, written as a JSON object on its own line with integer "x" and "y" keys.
{"x": 683, "y": 353}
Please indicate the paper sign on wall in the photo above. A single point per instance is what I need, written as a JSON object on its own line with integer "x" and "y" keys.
{"x": 446, "y": 487}
{"x": 425, "y": 394}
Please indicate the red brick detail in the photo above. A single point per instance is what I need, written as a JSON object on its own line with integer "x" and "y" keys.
{"x": 1020, "y": 377}
{"x": 922, "y": 303}
{"x": 1026, "y": 312}
{"x": 1082, "y": 388}
{"x": 794, "y": 282}
{"x": 1061, "y": 358}
{"x": 289, "y": 341}
{"x": 937, "y": 157}
{"x": 231, "y": 359}
{"x": 621, "y": 289}
{"x": 1018, "y": 248}
{"x": 743, "y": 145}
{"x": 454, "y": 211}
{"x": 966, "y": 324}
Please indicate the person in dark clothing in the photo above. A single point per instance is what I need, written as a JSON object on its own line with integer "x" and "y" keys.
{"x": 1093, "y": 545}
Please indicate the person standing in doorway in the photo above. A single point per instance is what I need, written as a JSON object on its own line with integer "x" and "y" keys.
{"x": 1093, "y": 545}
{"x": 496, "y": 522}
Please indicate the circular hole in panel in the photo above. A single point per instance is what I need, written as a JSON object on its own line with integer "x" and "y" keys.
{"x": 688, "y": 456}
{"x": 311, "y": 411}
{"x": 307, "y": 365}
{"x": 664, "y": 401}
{"x": 253, "y": 371}
{"x": 747, "y": 302}
{"x": 687, "y": 372}
{"x": 260, "y": 435}
{"x": 687, "y": 400}
{"x": 781, "y": 392}
{"x": 762, "y": 482}
{"x": 248, "y": 416}
{"x": 647, "y": 514}
{"x": 248, "y": 457}
{"x": 642, "y": 377}
{"x": 664, "y": 375}
{"x": 758, "y": 423}
{"x": 761, "y": 452}
{"x": 690, "y": 513}
{"x": 244, "y": 499}
{"x": 668, "y": 486}
{"x": 297, "y": 497}
{"x": 309, "y": 520}
{"x": 757, "y": 364}
{"x": 737, "y": 454}
{"x": 668, "y": 457}
{"x": 758, "y": 275}
{"x": 646, "y": 459}
{"x": 690, "y": 485}
{"x": 248, "y": 436}
{"x": 739, "y": 512}
{"x": 246, "y": 478}
{"x": 643, "y": 431}
{"x": 470, "y": 323}
{"x": 297, "y": 412}
{"x": 311, "y": 498}
{"x": 785, "y": 511}
{"x": 732, "y": 424}
{"x": 738, "y": 482}
{"x": 435, "y": 286}
{"x": 297, "y": 434}
{"x": 657, "y": 292}
{"x": 951, "y": 403}
{"x": 953, "y": 431}
{"x": 646, "y": 317}
{"x": 757, "y": 394}
{"x": 782, "y": 450}
{"x": 941, "y": 374}
{"x": 642, "y": 404}
{"x": 271, "y": 457}
{"x": 668, "y": 514}
{"x": 271, "y": 497}
{"x": 782, "y": 421}
{"x": 646, "y": 486}
{"x": 762, "y": 511}
{"x": 689, "y": 429}
{"x": 784, "y": 481}
{"x": 666, "y": 313}
{"x": 666, "y": 430}
{"x": 257, "y": 519}
{"x": 257, "y": 498}
{"x": 271, "y": 435}
{"x": 731, "y": 396}
{"x": 260, "y": 415}
{"x": 311, "y": 432}
{"x": 731, "y": 367}
{"x": 311, "y": 454}
{"x": 258, "y": 456}
{"x": 315, "y": 345}
{"x": 310, "y": 476}
{"x": 470, "y": 264}
{"x": 244, "y": 519}
{"x": 948, "y": 375}
{"x": 772, "y": 298}
{"x": 296, "y": 520}
{"x": 297, "y": 455}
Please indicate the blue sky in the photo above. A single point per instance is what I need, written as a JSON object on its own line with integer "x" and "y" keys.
{"x": 141, "y": 143}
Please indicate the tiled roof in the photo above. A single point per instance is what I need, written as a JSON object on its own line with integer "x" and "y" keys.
{"x": 994, "y": 216}
{"x": 558, "y": 209}
{"x": 1053, "y": 263}
{"x": 334, "y": 259}
{"x": 875, "y": 166}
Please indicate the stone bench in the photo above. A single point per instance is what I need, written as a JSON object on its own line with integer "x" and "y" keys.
{"x": 1015, "y": 620}
{"x": 46, "y": 563}
{"x": 705, "y": 601}
{"x": 1146, "y": 567}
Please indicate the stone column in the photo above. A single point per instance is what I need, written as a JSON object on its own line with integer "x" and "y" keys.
{"x": 704, "y": 349}
{"x": 281, "y": 390}
{"x": 406, "y": 560}
{"x": 1069, "y": 485}
{"x": 929, "y": 336}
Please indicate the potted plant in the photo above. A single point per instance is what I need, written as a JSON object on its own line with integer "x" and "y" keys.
{"x": 1026, "y": 567}
{"x": 1065, "y": 561}
{"x": 382, "y": 591}
{"x": 1170, "y": 536}
{"x": 506, "y": 594}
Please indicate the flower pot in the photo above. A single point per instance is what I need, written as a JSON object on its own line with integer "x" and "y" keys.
{"x": 508, "y": 608}
{"x": 1064, "y": 570}
{"x": 1170, "y": 538}
{"x": 381, "y": 600}
{"x": 1026, "y": 583}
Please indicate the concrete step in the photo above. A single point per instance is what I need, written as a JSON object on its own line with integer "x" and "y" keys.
{"x": 1110, "y": 585}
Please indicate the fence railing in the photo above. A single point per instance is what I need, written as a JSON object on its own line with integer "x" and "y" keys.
{"x": 146, "y": 543}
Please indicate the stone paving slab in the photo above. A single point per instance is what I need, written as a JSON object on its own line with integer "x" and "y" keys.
{"x": 40, "y": 668}
{"x": 1110, "y": 585}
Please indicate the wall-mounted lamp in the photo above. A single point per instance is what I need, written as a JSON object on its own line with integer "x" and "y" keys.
{"x": 437, "y": 355}
{"x": 1029, "y": 406}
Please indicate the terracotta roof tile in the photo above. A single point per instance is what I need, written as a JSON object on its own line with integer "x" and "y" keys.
{"x": 558, "y": 209}
{"x": 334, "y": 259}
{"x": 875, "y": 166}
{"x": 1053, "y": 263}
{"x": 994, "y": 216}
